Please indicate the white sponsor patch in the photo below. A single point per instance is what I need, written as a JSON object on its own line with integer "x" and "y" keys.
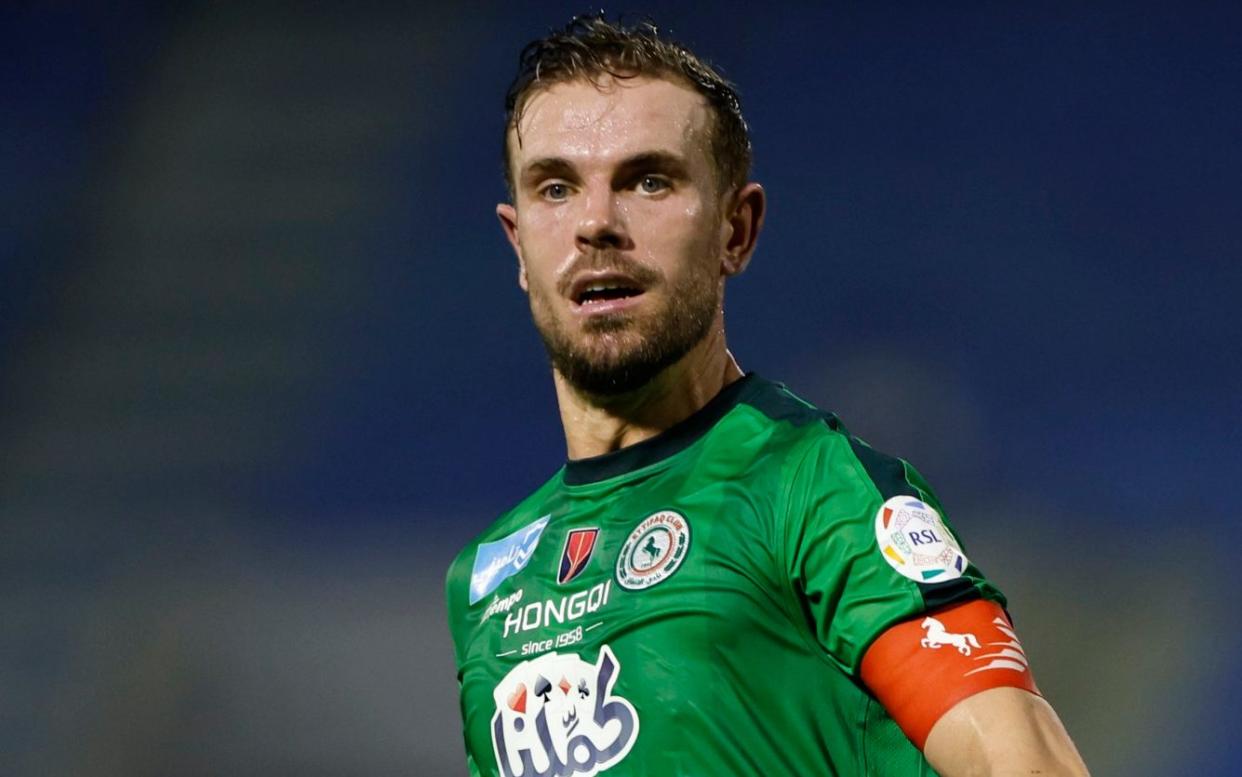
{"x": 654, "y": 550}
{"x": 556, "y": 716}
{"x": 914, "y": 541}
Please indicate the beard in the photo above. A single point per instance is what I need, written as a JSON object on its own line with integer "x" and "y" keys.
{"x": 618, "y": 353}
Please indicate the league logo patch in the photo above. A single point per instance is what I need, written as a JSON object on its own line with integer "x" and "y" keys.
{"x": 653, "y": 551}
{"x": 915, "y": 542}
{"x": 504, "y": 558}
{"x": 579, "y": 545}
{"x": 556, "y": 716}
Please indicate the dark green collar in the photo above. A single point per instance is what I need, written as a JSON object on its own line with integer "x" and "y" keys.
{"x": 579, "y": 472}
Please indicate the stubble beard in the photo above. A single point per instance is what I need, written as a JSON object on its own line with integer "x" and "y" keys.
{"x": 619, "y": 353}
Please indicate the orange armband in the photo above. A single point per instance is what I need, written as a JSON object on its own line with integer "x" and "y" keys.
{"x": 920, "y": 668}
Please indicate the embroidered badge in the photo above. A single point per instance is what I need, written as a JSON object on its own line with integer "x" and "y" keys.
{"x": 654, "y": 550}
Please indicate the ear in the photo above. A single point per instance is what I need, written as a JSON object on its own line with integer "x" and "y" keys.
{"x": 508, "y": 222}
{"x": 743, "y": 220}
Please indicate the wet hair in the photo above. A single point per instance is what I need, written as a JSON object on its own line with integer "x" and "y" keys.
{"x": 592, "y": 48}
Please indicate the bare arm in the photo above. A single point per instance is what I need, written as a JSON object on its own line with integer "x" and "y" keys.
{"x": 959, "y": 684}
{"x": 1002, "y": 731}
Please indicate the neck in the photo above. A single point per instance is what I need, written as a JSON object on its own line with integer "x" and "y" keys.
{"x": 595, "y": 425}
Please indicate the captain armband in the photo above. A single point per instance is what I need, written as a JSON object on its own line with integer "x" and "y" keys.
{"x": 920, "y": 668}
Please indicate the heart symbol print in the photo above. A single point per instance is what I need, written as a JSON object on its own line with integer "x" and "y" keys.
{"x": 517, "y": 699}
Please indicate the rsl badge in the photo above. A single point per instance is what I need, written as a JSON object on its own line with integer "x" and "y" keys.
{"x": 579, "y": 545}
{"x": 654, "y": 550}
{"x": 913, "y": 539}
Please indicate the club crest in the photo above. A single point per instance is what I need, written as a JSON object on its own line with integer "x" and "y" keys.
{"x": 653, "y": 551}
{"x": 579, "y": 545}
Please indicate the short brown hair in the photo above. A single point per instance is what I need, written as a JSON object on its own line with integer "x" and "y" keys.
{"x": 590, "y": 47}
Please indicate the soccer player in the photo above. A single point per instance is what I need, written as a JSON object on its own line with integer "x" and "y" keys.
{"x": 721, "y": 580}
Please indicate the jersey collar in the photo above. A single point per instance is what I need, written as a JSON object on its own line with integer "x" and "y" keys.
{"x": 580, "y": 472}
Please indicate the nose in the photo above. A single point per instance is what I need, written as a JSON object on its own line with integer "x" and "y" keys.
{"x": 601, "y": 224}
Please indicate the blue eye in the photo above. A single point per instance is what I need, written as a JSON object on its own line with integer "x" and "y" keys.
{"x": 651, "y": 184}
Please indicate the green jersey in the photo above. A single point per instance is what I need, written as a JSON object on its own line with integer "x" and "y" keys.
{"x": 699, "y": 604}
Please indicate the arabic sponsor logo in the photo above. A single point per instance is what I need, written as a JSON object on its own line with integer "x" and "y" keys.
{"x": 496, "y": 561}
{"x": 654, "y": 550}
{"x": 501, "y": 604}
{"x": 579, "y": 545}
{"x": 556, "y": 716}
{"x": 1006, "y": 653}
{"x": 561, "y": 610}
{"x": 914, "y": 541}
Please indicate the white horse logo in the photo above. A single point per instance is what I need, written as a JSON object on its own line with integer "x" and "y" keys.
{"x": 938, "y": 636}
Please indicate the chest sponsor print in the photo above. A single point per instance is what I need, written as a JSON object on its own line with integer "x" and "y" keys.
{"x": 494, "y": 562}
{"x": 502, "y": 604}
{"x": 556, "y": 611}
{"x": 556, "y": 716}
{"x": 654, "y": 550}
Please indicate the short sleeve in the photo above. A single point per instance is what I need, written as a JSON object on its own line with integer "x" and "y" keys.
{"x": 851, "y": 577}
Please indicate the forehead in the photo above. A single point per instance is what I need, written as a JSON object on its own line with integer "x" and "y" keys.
{"x": 582, "y": 122}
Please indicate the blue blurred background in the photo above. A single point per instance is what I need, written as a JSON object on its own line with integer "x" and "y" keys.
{"x": 264, "y": 365}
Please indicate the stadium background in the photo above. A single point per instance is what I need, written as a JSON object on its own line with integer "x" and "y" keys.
{"x": 263, "y": 364}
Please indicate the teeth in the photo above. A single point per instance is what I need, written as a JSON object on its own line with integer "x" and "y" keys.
{"x": 603, "y": 290}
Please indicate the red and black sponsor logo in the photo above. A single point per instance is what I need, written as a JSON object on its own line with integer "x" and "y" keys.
{"x": 579, "y": 545}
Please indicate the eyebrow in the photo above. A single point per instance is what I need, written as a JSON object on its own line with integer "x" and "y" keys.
{"x": 655, "y": 162}
{"x": 547, "y": 167}
{"x": 662, "y": 162}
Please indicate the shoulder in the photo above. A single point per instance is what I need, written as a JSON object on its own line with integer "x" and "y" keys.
{"x": 822, "y": 450}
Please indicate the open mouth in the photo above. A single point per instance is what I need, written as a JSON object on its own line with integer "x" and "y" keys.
{"x": 595, "y": 294}
{"x": 604, "y": 291}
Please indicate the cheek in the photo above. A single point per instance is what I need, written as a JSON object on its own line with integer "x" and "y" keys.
{"x": 553, "y": 220}
{"x": 547, "y": 246}
{"x": 678, "y": 238}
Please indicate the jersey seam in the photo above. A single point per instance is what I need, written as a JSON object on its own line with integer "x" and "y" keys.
{"x": 800, "y": 625}
{"x": 916, "y": 597}
{"x": 927, "y": 497}
{"x": 794, "y": 610}
{"x": 905, "y": 475}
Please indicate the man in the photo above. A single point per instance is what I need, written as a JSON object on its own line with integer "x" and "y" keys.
{"x": 720, "y": 580}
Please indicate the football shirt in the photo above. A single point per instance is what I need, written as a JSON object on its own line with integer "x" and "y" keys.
{"x": 698, "y": 604}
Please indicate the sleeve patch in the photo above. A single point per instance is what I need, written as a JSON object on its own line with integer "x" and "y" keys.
{"x": 914, "y": 541}
{"x": 919, "y": 669}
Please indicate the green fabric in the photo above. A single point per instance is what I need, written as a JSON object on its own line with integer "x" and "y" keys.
{"x": 743, "y": 658}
